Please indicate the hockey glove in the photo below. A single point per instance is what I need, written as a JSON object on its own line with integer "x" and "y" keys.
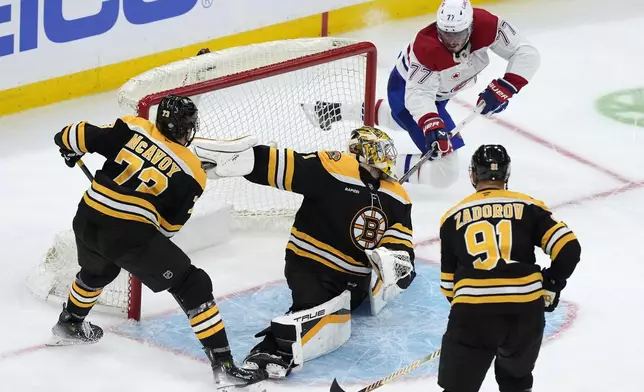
{"x": 551, "y": 290}
{"x": 436, "y": 138}
{"x": 496, "y": 96}
{"x": 70, "y": 157}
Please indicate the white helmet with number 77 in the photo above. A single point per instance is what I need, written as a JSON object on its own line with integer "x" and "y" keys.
{"x": 454, "y": 23}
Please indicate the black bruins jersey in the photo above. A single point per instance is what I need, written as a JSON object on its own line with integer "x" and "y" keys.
{"x": 487, "y": 251}
{"x": 146, "y": 177}
{"x": 344, "y": 210}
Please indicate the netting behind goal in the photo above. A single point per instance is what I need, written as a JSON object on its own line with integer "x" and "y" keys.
{"x": 255, "y": 89}
{"x": 258, "y": 89}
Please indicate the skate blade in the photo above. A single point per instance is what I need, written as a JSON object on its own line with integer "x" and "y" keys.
{"x": 58, "y": 341}
{"x": 256, "y": 387}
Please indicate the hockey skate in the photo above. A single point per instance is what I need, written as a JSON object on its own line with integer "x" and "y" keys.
{"x": 68, "y": 332}
{"x": 322, "y": 114}
{"x": 274, "y": 365}
{"x": 229, "y": 377}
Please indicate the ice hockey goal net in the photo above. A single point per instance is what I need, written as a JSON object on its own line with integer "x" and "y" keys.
{"x": 256, "y": 89}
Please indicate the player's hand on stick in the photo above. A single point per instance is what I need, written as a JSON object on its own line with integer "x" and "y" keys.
{"x": 437, "y": 139}
{"x": 496, "y": 96}
{"x": 551, "y": 291}
{"x": 70, "y": 157}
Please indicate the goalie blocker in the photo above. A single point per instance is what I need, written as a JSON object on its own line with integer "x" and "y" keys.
{"x": 351, "y": 238}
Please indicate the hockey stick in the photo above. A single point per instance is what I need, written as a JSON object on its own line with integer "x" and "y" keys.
{"x": 428, "y": 155}
{"x": 335, "y": 387}
{"x": 85, "y": 170}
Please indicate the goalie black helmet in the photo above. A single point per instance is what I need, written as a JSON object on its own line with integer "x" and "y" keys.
{"x": 490, "y": 162}
{"x": 177, "y": 119}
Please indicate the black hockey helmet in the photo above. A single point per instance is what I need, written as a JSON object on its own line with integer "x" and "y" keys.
{"x": 490, "y": 162}
{"x": 177, "y": 117}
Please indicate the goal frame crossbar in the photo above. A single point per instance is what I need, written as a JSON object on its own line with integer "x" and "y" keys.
{"x": 367, "y": 49}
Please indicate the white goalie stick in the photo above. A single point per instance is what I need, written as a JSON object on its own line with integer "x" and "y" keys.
{"x": 428, "y": 155}
{"x": 335, "y": 387}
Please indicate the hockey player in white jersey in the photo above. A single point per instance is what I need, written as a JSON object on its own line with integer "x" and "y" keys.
{"x": 444, "y": 58}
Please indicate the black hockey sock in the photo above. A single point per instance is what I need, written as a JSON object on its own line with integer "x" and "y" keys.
{"x": 81, "y": 299}
{"x": 207, "y": 324}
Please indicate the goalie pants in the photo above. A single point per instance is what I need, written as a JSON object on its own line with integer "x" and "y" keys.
{"x": 312, "y": 286}
{"x": 105, "y": 245}
{"x": 396, "y": 98}
{"x": 473, "y": 340}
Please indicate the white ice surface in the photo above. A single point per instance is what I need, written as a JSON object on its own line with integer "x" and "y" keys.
{"x": 588, "y": 47}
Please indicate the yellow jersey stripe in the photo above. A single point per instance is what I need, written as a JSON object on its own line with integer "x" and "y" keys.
{"x": 210, "y": 331}
{"x": 113, "y": 213}
{"x": 402, "y": 228}
{"x": 330, "y": 319}
{"x": 561, "y": 243}
{"x": 65, "y": 137}
{"x": 535, "y": 277}
{"x": 80, "y": 135}
{"x": 447, "y": 276}
{"x": 272, "y": 165}
{"x": 202, "y": 316}
{"x": 496, "y": 299}
{"x": 447, "y": 293}
{"x": 548, "y": 234}
{"x": 394, "y": 240}
{"x": 138, "y": 202}
{"x": 322, "y": 245}
{"x": 309, "y": 255}
{"x": 290, "y": 168}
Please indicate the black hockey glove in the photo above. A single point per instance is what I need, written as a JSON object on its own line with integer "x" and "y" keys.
{"x": 552, "y": 290}
{"x": 70, "y": 157}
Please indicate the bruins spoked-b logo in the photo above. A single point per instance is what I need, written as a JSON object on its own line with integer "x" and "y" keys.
{"x": 367, "y": 227}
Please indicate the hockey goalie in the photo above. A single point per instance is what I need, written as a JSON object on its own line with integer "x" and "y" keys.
{"x": 351, "y": 238}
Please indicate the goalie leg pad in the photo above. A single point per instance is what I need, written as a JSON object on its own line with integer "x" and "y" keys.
{"x": 301, "y": 336}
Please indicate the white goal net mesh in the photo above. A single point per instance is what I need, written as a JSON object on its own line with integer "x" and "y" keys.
{"x": 269, "y": 108}
{"x": 254, "y": 103}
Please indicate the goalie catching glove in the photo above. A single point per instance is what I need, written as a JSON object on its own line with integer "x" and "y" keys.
{"x": 225, "y": 158}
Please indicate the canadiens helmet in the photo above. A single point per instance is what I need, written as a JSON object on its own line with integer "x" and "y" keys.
{"x": 490, "y": 162}
{"x": 177, "y": 119}
{"x": 454, "y": 21}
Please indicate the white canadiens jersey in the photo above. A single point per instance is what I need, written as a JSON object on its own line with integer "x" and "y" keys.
{"x": 435, "y": 74}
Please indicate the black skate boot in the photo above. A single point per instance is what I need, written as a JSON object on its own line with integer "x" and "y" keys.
{"x": 229, "y": 377}
{"x": 276, "y": 366}
{"x": 69, "y": 331}
{"x": 323, "y": 114}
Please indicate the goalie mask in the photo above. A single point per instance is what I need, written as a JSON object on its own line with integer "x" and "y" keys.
{"x": 177, "y": 119}
{"x": 375, "y": 148}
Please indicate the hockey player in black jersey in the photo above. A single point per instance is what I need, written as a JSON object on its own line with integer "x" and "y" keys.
{"x": 142, "y": 196}
{"x": 351, "y": 238}
{"x": 498, "y": 293}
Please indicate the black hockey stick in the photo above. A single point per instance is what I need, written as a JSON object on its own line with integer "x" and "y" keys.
{"x": 85, "y": 170}
{"x": 428, "y": 155}
{"x": 335, "y": 387}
